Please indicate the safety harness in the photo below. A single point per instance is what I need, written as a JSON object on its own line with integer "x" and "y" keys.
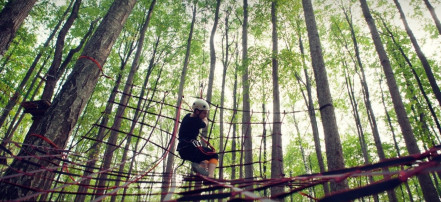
{"x": 198, "y": 144}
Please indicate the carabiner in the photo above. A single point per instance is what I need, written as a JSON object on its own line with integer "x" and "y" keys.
{"x": 196, "y": 143}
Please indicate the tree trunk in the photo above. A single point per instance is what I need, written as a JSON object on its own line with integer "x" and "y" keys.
{"x": 168, "y": 175}
{"x": 302, "y": 151}
{"x": 265, "y": 150}
{"x": 420, "y": 55}
{"x": 213, "y": 53}
{"x": 334, "y": 150}
{"x": 96, "y": 147}
{"x": 311, "y": 112}
{"x": 415, "y": 74}
{"x": 367, "y": 100}
{"x": 435, "y": 18}
{"x": 52, "y": 74}
{"x": 11, "y": 18}
{"x": 276, "y": 152}
{"x": 63, "y": 114}
{"x": 365, "y": 90}
{"x": 114, "y": 131}
{"x": 135, "y": 65}
{"x": 140, "y": 104}
{"x": 355, "y": 112}
{"x": 246, "y": 117}
{"x": 356, "y": 115}
{"x": 389, "y": 122}
{"x": 225, "y": 63}
{"x": 15, "y": 97}
{"x": 426, "y": 184}
{"x": 233, "y": 143}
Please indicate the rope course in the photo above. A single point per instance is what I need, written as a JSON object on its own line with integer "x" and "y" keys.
{"x": 145, "y": 139}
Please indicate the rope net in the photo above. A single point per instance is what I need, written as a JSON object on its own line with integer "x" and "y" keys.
{"x": 136, "y": 168}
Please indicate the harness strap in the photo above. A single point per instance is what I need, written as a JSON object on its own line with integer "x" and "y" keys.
{"x": 198, "y": 144}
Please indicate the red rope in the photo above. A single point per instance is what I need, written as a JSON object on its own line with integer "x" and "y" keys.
{"x": 97, "y": 64}
{"x": 209, "y": 145}
{"x": 178, "y": 114}
{"x": 64, "y": 167}
{"x": 309, "y": 196}
{"x": 46, "y": 140}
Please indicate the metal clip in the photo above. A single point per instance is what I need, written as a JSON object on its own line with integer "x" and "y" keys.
{"x": 196, "y": 143}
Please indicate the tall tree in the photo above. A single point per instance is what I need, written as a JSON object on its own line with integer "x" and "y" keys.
{"x": 389, "y": 122}
{"x": 15, "y": 97}
{"x": 136, "y": 63}
{"x": 360, "y": 71}
{"x": 11, "y": 18}
{"x": 225, "y": 63}
{"x": 334, "y": 151}
{"x": 415, "y": 74}
{"x": 246, "y": 116}
{"x": 435, "y": 88}
{"x": 434, "y": 16}
{"x": 311, "y": 111}
{"x": 213, "y": 52}
{"x": 53, "y": 74}
{"x": 119, "y": 117}
{"x": 276, "y": 152}
{"x": 95, "y": 148}
{"x": 426, "y": 184}
{"x": 61, "y": 117}
{"x": 168, "y": 175}
{"x": 235, "y": 104}
{"x": 356, "y": 114}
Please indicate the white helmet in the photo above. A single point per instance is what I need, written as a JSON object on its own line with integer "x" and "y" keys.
{"x": 200, "y": 104}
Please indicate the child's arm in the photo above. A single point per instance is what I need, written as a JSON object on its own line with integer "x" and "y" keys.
{"x": 205, "y": 120}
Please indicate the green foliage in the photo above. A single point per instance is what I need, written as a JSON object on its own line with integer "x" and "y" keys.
{"x": 352, "y": 152}
{"x": 170, "y": 25}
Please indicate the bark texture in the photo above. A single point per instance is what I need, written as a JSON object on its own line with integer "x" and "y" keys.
{"x": 334, "y": 151}
{"x": 63, "y": 114}
{"x": 52, "y": 75}
{"x": 11, "y": 17}
{"x": 246, "y": 118}
{"x": 276, "y": 152}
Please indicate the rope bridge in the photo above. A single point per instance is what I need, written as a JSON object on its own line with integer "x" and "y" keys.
{"x": 76, "y": 172}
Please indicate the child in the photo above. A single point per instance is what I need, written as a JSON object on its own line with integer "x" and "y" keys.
{"x": 189, "y": 147}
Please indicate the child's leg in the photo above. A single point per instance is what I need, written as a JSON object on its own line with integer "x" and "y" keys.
{"x": 204, "y": 164}
{"x": 196, "y": 167}
{"x": 212, "y": 163}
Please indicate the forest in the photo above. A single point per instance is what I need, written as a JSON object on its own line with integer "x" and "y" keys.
{"x": 310, "y": 100}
